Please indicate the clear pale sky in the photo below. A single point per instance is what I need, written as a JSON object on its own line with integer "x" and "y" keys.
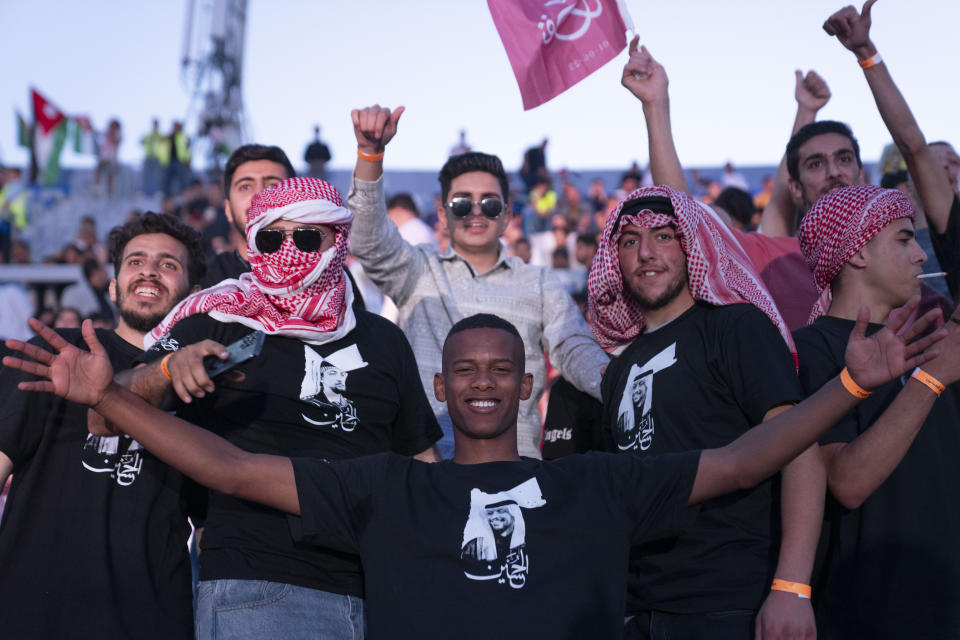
{"x": 730, "y": 66}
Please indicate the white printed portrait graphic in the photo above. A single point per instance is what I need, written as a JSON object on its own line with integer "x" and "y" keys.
{"x": 635, "y": 424}
{"x": 324, "y": 385}
{"x": 494, "y": 543}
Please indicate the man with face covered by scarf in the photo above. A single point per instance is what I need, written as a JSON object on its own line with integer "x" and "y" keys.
{"x": 704, "y": 354}
{"x": 255, "y": 580}
{"x": 891, "y": 464}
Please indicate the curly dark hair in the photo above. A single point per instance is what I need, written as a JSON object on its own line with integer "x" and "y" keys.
{"x": 151, "y": 222}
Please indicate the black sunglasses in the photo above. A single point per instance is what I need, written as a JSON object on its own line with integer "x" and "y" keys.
{"x": 461, "y": 207}
{"x": 306, "y": 238}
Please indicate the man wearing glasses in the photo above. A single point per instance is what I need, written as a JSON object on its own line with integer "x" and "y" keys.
{"x": 434, "y": 290}
{"x": 331, "y": 382}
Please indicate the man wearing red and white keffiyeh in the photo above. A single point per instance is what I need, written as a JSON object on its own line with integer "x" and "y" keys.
{"x": 704, "y": 355}
{"x": 289, "y": 292}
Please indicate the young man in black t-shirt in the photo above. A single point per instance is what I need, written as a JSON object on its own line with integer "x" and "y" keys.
{"x": 330, "y": 382}
{"x": 434, "y": 537}
{"x": 93, "y": 542}
{"x": 889, "y": 570}
{"x": 696, "y": 371}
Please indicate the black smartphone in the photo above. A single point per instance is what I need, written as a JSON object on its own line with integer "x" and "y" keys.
{"x": 240, "y": 351}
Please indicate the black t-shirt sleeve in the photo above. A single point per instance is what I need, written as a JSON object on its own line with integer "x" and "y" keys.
{"x": 415, "y": 427}
{"x": 818, "y": 365}
{"x": 946, "y": 246}
{"x": 188, "y": 331}
{"x": 19, "y": 438}
{"x": 759, "y": 367}
{"x": 654, "y": 492}
{"x": 572, "y": 424}
{"x": 336, "y": 500}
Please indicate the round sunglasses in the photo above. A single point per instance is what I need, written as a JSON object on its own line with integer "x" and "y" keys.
{"x": 461, "y": 207}
{"x": 305, "y": 238}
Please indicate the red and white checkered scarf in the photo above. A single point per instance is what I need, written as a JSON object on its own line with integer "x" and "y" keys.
{"x": 839, "y": 225}
{"x": 718, "y": 269}
{"x": 292, "y": 293}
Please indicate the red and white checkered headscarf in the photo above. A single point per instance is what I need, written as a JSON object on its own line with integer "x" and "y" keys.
{"x": 718, "y": 269}
{"x": 839, "y": 225}
{"x": 292, "y": 293}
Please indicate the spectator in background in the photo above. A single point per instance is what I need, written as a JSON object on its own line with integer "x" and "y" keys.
{"x": 216, "y": 235}
{"x": 90, "y": 295}
{"x": 899, "y": 180}
{"x": 534, "y": 165}
{"x": 585, "y": 250}
{"x": 402, "y": 210}
{"x": 571, "y": 205}
{"x": 597, "y": 195}
{"x": 155, "y": 157}
{"x": 107, "y": 162}
{"x": 543, "y": 243}
{"x": 177, "y": 172}
{"x": 541, "y": 204}
{"x": 67, "y": 318}
{"x": 738, "y": 205}
{"x": 733, "y": 178}
{"x": 762, "y": 198}
{"x": 462, "y": 145}
{"x": 317, "y": 156}
{"x": 521, "y": 249}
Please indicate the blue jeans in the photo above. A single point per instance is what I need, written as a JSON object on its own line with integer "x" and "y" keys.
{"x": 715, "y": 625}
{"x": 257, "y": 609}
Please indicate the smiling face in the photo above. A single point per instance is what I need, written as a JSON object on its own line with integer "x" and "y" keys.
{"x": 654, "y": 268}
{"x": 826, "y": 162}
{"x": 475, "y": 234}
{"x": 500, "y": 520}
{"x": 483, "y": 383}
{"x": 152, "y": 279}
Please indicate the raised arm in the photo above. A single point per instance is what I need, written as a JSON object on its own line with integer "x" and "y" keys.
{"x": 374, "y": 239}
{"x": 852, "y": 29}
{"x": 872, "y": 362}
{"x": 647, "y": 80}
{"x": 87, "y": 378}
{"x": 812, "y": 93}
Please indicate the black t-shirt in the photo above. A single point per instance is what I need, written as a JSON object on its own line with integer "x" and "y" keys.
{"x": 890, "y": 568}
{"x": 700, "y": 382}
{"x": 527, "y": 549}
{"x": 355, "y": 396}
{"x": 573, "y": 423}
{"x": 93, "y": 542}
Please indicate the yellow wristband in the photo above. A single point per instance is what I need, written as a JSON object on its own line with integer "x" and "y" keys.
{"x": 798, "y": 588}
{"x": 370, "y": 157}
{"x": 925, "y": 378}
{"x": 855, "y": 390}
{"x": 872, "y": 61}
{"x": 163, "y": 365}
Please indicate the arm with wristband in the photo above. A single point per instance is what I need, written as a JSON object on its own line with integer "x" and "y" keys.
{"x": 857, "y": 468}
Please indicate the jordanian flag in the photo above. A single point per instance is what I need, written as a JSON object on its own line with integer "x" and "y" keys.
{"x": 23, "y": 132}
{"x": 49, "y": 137}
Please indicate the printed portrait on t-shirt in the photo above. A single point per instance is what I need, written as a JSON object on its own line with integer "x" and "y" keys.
{"x": 494, "y": 545}
{"x": 120, "y": 456}
{"x": 635, "y": 424}
{"x": 325, "y": 385}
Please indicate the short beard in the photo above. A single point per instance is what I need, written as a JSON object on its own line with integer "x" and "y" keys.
{"x": 140, "y": 322}
{"x": 665, "y": 298}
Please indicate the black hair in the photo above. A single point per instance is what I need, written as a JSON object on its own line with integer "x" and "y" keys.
{"x": 472, "y": 161}
{"x": 892, "y": 179}
{"x": 251, "y": 152}
{"x": 588, "y": 239}
{"x": 151, "y": 222}
{"x": 403, "y": 201}
{"x": 483, "y": 321}
{"x": 813, "y": 130}
{"x": 738, "y": 204}
{"x": 89, "y": 266}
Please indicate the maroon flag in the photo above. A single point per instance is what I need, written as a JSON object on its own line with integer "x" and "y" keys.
{"x": 554, "y": 44}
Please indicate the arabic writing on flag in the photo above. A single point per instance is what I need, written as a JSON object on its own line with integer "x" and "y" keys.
{"x": 554, "y": 44}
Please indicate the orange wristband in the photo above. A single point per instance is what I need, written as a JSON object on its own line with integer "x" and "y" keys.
{"x": 925, "y": 378}
{"x": 163, "y": 365}
{"x": 872, "y": 61}
{"x": 855, "y": 390}
{"x": 800, "y": 589}
{"x": 370, "y": 157}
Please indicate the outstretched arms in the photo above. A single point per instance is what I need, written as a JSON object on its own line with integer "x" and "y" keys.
{"x": 872, "y": 362}
{"x": 87, "y": 378}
